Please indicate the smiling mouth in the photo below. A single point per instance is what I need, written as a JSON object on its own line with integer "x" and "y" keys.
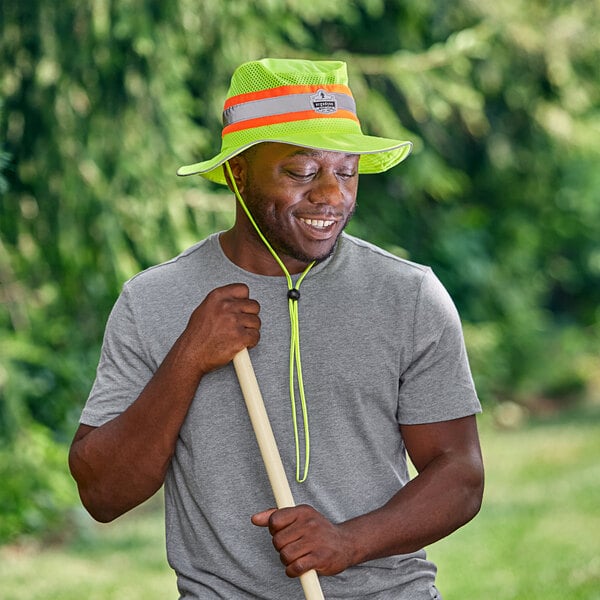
{"x": 318, "y": 223}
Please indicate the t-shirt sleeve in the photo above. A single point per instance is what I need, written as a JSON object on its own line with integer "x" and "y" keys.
{"x": 437, "y": 384}
{"x": 123, "y": 369}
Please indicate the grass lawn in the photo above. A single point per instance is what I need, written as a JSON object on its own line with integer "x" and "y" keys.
{"x": 124, "y": 560}
{"x": 537, "y": 536}
{"x": 538, "y": 533}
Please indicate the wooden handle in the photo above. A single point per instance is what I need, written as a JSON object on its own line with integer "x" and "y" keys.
{"x": 270, "y": 453}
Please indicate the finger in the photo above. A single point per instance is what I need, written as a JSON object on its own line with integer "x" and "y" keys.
{"x": 243, "y": 306}
{"x": 300, "y": 566}
{"x": 249, "y": 321}
{"x": 251, "y": 307}
{"x": 233, "y": 294}
{"x": 235, "y": 290}
{"x": 292, "y": 552}
{"x": 284, "y": 517}
{"x": 261, "y": 519}
{"x": 252, "y": 338}
{"x": 297, "y": 518}
{"x": 249, "y": 331}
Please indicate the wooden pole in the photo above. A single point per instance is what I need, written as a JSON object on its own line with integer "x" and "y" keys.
{"x": 270, "y": 453}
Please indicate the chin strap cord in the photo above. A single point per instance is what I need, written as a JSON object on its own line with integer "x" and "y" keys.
{"x": 295, "y": 364}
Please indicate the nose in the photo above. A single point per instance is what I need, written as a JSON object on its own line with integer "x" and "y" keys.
{"x": 327, "y": 189}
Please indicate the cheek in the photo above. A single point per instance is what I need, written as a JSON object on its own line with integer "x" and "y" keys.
{"x": 350, "y": 194}
{"x": 351, "y": 186}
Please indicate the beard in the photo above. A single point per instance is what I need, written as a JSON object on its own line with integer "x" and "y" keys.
{"x": 269, "y": 222}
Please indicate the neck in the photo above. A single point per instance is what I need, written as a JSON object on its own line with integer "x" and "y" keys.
{"x": 250, "y": 253}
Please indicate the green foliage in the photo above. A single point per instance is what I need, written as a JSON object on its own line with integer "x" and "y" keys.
{"x": 36, "y": 487}
{"x": 103, "y": 101}
{"x": 4, "y": 159}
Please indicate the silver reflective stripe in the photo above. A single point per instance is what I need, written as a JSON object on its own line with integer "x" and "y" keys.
{"x": 321, "y": 102}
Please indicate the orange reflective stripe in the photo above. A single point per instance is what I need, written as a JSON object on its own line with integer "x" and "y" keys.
{"x": 287, "y": 117}
{"x": 286, "y": 90}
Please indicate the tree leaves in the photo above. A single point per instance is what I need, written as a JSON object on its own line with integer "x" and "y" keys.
{"x": 103, "y": 101}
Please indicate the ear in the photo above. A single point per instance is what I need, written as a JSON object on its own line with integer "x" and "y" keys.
{"x": 239, "y": 169}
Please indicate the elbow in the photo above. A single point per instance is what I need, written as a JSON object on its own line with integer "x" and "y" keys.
{"x": 108, "y": 494}
{"x": 97, "y": 506}
{"x": 101, "y": 514}
{"x": 473, "y": 488}
{"x": 91, "y": 495}
{"x": 473, "y": 504}
{"x": 99, "y": 510}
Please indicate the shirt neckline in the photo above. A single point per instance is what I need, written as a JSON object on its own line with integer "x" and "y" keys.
{"x": 215, "y": 242}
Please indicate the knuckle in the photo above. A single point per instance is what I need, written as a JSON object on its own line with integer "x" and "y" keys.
{"x": 298, "y": 567}
{"x": 273, "y": 523}
{"x": 285, "y": 556}
{"x": 277, "y": 541}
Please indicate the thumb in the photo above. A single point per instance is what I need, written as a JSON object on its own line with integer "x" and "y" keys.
{"x": 261, "y": 519}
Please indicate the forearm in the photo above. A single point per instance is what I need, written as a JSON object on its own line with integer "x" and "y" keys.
{"x": 442, "y": 498}
{"x": 124, "y": 462}
{"x": 445, "y": 495}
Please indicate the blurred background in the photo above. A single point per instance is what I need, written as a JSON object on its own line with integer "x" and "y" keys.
{"x": 101, "y": 102}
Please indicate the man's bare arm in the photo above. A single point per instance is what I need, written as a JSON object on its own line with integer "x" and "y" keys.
{"x": 445, "y": 495}
{"x": 123, "y": 462}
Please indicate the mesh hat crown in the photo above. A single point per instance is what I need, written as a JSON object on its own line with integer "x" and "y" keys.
{"x": 299, "y": 102}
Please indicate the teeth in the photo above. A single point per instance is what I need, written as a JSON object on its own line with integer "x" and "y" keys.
{"x": 317, "y": 223}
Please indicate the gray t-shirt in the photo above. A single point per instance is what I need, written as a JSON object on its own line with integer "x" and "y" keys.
{"x": 381, "y": 345}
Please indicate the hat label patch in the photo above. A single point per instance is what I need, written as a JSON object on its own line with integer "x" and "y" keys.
{"x": 323, "y": 103}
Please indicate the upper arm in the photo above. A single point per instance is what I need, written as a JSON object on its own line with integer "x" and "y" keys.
{"x": 81, "y": 432}
{"x": 456, "y": 439}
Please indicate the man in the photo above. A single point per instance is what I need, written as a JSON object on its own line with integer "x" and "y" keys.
{"x": 383, "y": 371}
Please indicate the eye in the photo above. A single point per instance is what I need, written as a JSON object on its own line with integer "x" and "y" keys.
{"x": 345, "y": 175}
{"x": 301, "y": 175}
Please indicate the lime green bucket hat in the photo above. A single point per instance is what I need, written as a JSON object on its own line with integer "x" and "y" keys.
{"x": 299, "y": 102}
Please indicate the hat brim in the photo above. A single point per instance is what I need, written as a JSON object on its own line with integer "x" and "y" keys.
{"x": 376, "y": 154}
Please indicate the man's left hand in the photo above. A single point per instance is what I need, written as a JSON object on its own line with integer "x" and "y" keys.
{"x": 306, "y": 540}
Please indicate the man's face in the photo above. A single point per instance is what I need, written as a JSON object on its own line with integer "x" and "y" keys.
{"x": 300, "y": 198}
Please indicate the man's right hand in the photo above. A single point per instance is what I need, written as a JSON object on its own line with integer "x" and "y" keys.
{"x": 224, "y": 323}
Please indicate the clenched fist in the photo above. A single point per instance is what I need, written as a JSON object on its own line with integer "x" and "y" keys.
{"x": 224, "y": 323}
